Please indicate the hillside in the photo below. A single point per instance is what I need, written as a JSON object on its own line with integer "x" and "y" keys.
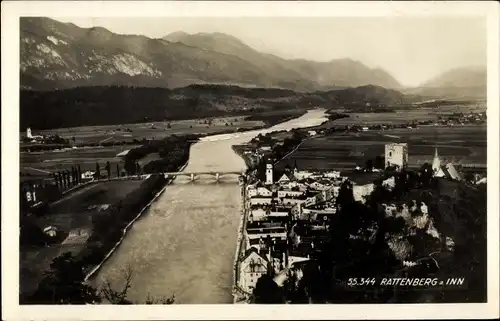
{"x": 57, "y": 55}
{"x": 106, "y": 105}
{"x": 468, "y": 83}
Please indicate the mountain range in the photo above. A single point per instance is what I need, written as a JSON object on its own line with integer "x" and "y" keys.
{"x": 466, "y": 82}
{"x": 56, "y": 55}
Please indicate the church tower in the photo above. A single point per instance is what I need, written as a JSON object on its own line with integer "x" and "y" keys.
{"x": 269, "y": 174}
{"x": 436, "y": 162}
{"x": 436, "y": 165}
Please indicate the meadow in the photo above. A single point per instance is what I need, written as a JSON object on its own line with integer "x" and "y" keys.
{"x": 35, "y": 163}
{"x": 343, "y": 151}
{"x": 72, "y": 213}
{"x": 151, "y": 130}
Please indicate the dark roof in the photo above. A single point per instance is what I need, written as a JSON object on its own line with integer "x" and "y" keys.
{"x": 263, "y": 224}
{"x": 253, "y": 250}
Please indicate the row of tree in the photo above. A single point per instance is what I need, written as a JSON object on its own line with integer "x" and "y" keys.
{"x": 68, "y": 178}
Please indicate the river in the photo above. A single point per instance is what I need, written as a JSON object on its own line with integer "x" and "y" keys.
{"x": 185, "y": 243}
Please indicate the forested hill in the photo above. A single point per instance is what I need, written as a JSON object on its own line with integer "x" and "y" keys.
{"x": 109, "y": 105}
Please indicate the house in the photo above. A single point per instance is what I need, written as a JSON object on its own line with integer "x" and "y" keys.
{"x": 318, "y": 186}
{"x": 284, "y": 179}
{"x": 312, "y": 133}
{"x": 252, "y": 266}
{"x": 88, "y": 175}
{"x": 251, "y": 191}
{"x": 261, "y": 200}
{"x": 289, "y": 193}
{"x": 50, "y": 231}
{"x": 263, "y": 230}
{"x": 292, "y": 201}
{"x": 264, "y": 192}
{"x": 332, "y": 174}
{"x": 365, "y": 129}
{"x": 299, "y": 175}
{"x": 361, "y": 191}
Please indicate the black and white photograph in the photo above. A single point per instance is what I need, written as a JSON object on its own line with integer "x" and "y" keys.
{"x": 251, "y": 159}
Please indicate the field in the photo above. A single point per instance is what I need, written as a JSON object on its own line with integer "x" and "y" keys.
{"x": 71, "y": 214}
{"x": 151, "y": 130}
{"x": 402, "y": 116}
{"x": 34, "y": 163}
{"x": 342, "y": 151}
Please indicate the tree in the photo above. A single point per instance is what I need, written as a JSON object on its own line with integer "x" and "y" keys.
{"x": 63, "y": 284}
{"x": 56, "y": 180}
{"x": 120, "y": 296}
{"x": 369, "y": 165}
{"x": 68, "y": 178}
{"x": 379, "y": 162}
{"x": 345, "y": 199}
{"x": 61, "y": 180}
{"x": 73, "y": 175}
{"x": 426, "y": 175}
{"x": 267, "y": 291}
{"x": 79, "y": 172}
{"x": 97, "y": 171}
{"x": 108, "y": 169}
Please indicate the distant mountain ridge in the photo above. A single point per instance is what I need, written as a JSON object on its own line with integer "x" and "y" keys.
{"x": 465, "y": 82}
{"x": 57, "y": 55}
{"x": 459, "y": 77}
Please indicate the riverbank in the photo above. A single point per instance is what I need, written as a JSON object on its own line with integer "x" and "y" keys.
{"x": 129, "y": 226}
{"x": 240, "y": 248}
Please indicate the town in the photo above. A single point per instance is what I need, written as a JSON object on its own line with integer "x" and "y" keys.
{"x": 287, "y": 218}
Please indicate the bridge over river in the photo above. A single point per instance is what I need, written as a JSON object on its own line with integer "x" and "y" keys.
{"x": 185, "y": 243}
{"x": 194, "y": 175}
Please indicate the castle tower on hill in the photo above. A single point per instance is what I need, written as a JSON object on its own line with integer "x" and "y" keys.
{"x": 396, "y": 154}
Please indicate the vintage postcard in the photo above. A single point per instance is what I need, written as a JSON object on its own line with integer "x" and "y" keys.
{"x": 249, "y": 160}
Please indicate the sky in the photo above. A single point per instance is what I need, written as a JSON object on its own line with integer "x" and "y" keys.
{"x": 412, "y": 49}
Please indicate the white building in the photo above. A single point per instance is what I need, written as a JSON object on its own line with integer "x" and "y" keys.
{"x": 264, "y": 192}
{"x": 261, "y": 200}
{"x": 361, "y": 191}
{"x": 332, "y": 174}
{"x": 301, "y": 174}
{"x": 289, "y": 193}
{"x": 287, "y": 201}
{"x": 396, "y": 154}
{"x": 252, "y": 266}
{"x": 50, "y": 231}
{"x": 269, "y": 174}
{"x": 284, "y": 179}
{"x": 88, "y": 175}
